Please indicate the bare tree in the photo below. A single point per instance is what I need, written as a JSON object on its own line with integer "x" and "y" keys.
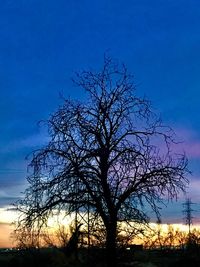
{"x": 26, "y": 237}
{"x": 110, "y": 153}
{"x": 160, "y": 238}
{"x": 57, "y": 238}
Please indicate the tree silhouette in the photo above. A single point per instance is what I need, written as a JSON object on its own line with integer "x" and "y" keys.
{"x": 110, "y": 153}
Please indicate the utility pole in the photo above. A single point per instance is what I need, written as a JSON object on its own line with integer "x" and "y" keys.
{"x": 187, "y": 211}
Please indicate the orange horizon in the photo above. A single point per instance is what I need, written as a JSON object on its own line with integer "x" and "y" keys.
{"x": 7, "y": 217}
{"x": 5, "y": 235}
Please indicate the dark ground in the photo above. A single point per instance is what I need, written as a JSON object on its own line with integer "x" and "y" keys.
{"x": 96, "y": 257}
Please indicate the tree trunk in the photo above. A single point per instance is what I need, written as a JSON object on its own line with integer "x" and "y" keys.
{"x": 111, "y": 255}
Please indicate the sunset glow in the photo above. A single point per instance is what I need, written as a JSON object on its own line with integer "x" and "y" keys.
{"x": 9, "y": 216}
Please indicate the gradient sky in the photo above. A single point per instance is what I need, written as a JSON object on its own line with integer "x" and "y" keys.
{"x": 44, "y": 42}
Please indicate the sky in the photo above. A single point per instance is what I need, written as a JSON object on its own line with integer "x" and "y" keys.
{"x": 44, "y": 42}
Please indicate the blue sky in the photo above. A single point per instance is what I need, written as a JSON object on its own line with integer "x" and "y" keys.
{"x": 44, "y": 42}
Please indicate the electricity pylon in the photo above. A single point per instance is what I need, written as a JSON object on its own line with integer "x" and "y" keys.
{"x": 188, "y": 213}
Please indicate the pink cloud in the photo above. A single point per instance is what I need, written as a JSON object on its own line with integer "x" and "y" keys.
{"x": 189, "y": 143}
{"x": 192, "y": 149}
{"x": 186, "y": 141}
{"x": 193, "y": 190}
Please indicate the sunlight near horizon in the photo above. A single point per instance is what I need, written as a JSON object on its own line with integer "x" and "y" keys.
{"x": 8, "y": 216}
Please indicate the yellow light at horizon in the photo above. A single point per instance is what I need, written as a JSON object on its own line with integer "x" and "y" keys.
{"x": 8, "y": 216}
{"x": 176, "y": 226}
{"x": 61, "y": 219}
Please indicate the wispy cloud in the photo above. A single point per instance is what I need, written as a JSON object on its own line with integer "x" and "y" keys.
{"x": 189, "y": 143}
{"x": 31, "y": 141}
{"x": 7, "y": 215}
{"x": 193, "y": 191}
{"x": 192, "y": 149}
